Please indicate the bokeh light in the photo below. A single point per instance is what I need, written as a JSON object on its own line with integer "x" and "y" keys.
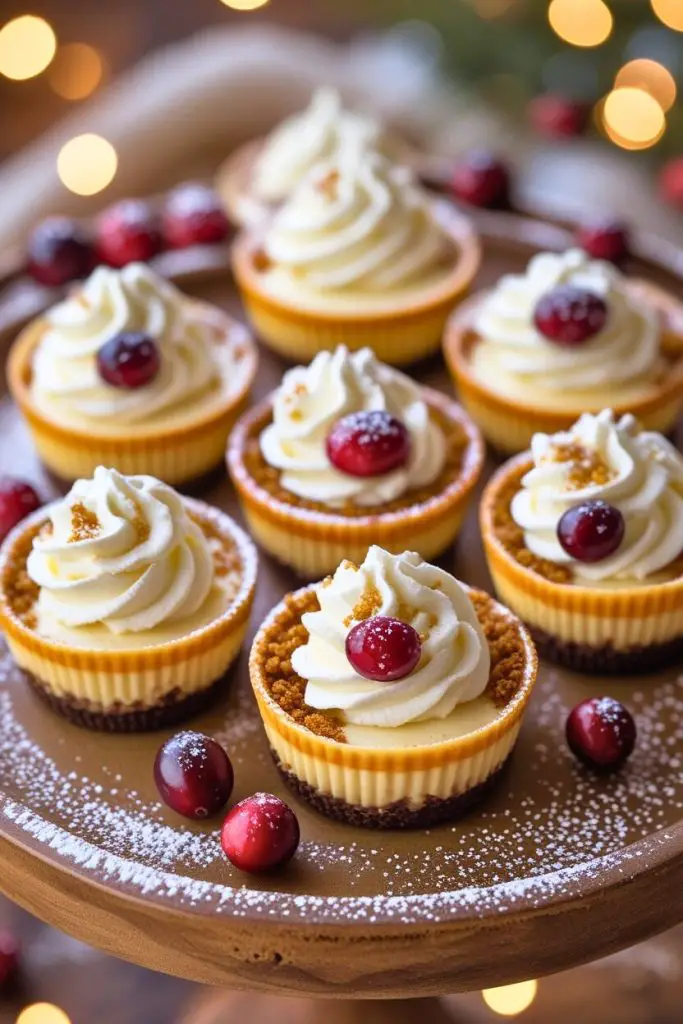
{"x": 670, "y": 12}
{"x": 490, "y": 9}
{"x": 632, "y": 118}
{"x": 650, "y": 76}
{"x": 511, "y": 1000}
{"x": 244, "y": 5}
{"x": 76, "y": 71}
{"x": 581, "y": 22}
{"x": 87, "y": 164}
{"x": 42, "y": 1013}
{"x": 27, "y": 46}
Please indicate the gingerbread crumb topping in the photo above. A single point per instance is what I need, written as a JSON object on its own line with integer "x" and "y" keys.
{"x": 84, "y": 523}
{"x": 287, "y": 632}
{"x": 368, "y": 605}
{"x": 328, "y": 186}
{"x": 587, "y": 465}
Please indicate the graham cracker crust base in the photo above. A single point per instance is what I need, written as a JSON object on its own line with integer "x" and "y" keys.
{"x": 606, "y": 660}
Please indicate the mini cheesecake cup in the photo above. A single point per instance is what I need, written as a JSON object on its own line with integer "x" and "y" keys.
{"x": 404, "y": 787}
{"x": 509, "y": 425}
{"x": 399, "y": 332}
{"x": 589, "y": 629}
{"x": 184, "y": 448}
{"x": 136, "y": 689}
{"x": 314, "y": 542}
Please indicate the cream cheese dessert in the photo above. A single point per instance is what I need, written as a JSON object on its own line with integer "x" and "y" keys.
{"x": 130, "y": 368}
{"x": 349, "y": 451}
{"x": 358, "y": 254}
{"x": 584, "y": 536}
{"x": 124, "y": 602}
{"x": 570, "y": 334}
{"x": 392, "y": 695}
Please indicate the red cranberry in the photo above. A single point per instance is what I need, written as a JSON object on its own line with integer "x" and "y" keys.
{"x": 128, "y": 232}
{"x": 604, "y": 240}
{"x": 671, "y": 182}
{"x": 482, "y": 180}
{"x": 260, "y": 833}
{"x": 59, "y": 251}
{"x": 601, "y": 733}
{"x": 368, "y": 443}
{"x": 383, "y": 648}
{"x": 129, "y": 360}
{"x": 591, "y": 531}
{"x": 9, "y": 958}
{"x": 568, "y": 315}
{"x": 194, "y": 216}
{"x": 193, "y": 774}
{"x": 17, "y": 500}
{"x": 558, "y": 116}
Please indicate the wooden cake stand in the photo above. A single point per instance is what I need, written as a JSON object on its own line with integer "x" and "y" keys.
{"x": 559, "y": 867}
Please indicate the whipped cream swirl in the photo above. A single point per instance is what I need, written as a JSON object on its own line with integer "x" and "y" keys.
{"x": 65, "y": 374}
{"x": 636, "y": 471}
{"x": 626, "y": 350}
{"x": 122, "y": 552}
{"x": 309, "y": 402}
{"x": 323, "y": 131}
{"x": 455, "y": 661}
{"x": 359, "y": 222}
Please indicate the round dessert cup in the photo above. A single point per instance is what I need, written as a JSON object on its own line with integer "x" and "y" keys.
{"x": 399, "y": 331}
{"x": 313, "y": 542}
{"x": 509, "y": 425}
{"x": 138, "y": 688}
{"x": 625, "y": 629}
{"x": 182, "y": 447}
{"x": 402, "y": 787}
{"x": 236, "y": 174}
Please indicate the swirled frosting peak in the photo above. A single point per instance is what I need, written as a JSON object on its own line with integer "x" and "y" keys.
{"x": 512, "y": 349}
{"x": 122, "y": 552}
{"x": 309, "y": 402}
{"x": 65, "y": 375}
{"x": 321, "y": 132}
{"x": 455, "y": 661}
{"x": 636, "y": 471}
{"x": 359, "y": 222}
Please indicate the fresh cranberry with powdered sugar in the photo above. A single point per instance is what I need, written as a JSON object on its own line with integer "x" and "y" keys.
{"x": 17, "y": 500}
{"x": 194, "y": 216}
{"x": 383, "y": 648}
{"x": 569, "y": 315}
{"x": 129, "y": 232}
{"x": 606, "y": 239}
{"x": 60, "y": 251}
{"x": 482, "y": 179}
{"x": 129, "y": 360}
{"x": 601, "y": 732}
{"x": 591, "y": 531}
{"x": 194, "y": 775}
{"x": 368, "y": 443}
{"x": 260, "y": 834}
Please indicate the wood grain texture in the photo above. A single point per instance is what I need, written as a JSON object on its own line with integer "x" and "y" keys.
{"x": 635, "y": 893}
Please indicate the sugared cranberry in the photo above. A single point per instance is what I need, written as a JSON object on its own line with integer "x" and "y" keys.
{"x": 9, "y": 959}
{"x": 591, "y": 531}
{"x": 383, "y": 648}
{"x": 558, "y": 116}
{"x": 193, "y": 774}
{"x": 604, "y": 239}
{"x": 260, "y": 833}
{"x": 17, "y": 500}
{"x": 194, "y": 216}
{"x": 368, "y": 443}
{"x": 59, "y": 251}
{"x": 128, "y": 232}
{"x": 482, "y": 179}
{"x": 568, "y": 315}
{"x": 601, "y": 733}
{"x": 129, "y": 360}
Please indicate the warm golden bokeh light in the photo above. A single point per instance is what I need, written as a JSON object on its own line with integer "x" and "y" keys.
{"x": 581, "y": 22}
{"x": 670, "y": 12}
{"x": 511, "y": 1000}
{"x": 651, "y": 77}
{"x": 87, "y": 164}
{"x": 632, "y": 118}
{"x": 42, "y": 1013}
{"x": 27, "y": 46}
{"x": 244, "y": 5}
{"x": 76, "y": 71}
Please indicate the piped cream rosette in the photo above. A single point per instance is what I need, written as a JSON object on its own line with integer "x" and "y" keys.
{"x": 625, "y": 610}
{"x": 140, "y": 599}
{"x": 409, "y": 752}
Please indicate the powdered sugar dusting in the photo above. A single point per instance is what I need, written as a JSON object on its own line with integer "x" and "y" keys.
{"x": 550, "y": 828}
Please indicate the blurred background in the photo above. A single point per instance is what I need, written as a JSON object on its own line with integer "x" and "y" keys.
{"x": 582, "y": 98}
